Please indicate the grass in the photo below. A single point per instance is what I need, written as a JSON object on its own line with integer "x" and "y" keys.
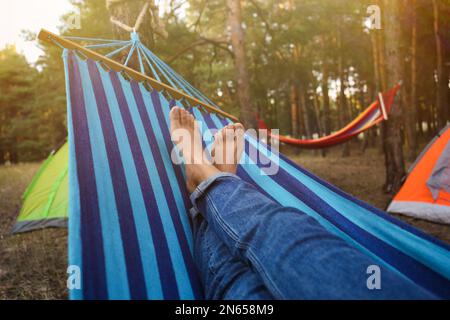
{"x": 32, "y": 265}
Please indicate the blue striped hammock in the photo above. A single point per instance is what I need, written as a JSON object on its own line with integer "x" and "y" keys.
{"x": 128, "y": 226}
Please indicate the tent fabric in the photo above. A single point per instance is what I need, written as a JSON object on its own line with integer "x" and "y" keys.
{"x": 45, "y": 199}
{"x": 440, "y": 177}
{"x": 366, "y": 120}
{"x": 128, "y": 224}
{"x": 426, "y": 191}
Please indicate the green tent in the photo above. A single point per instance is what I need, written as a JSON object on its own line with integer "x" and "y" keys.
{"x": 45, "y": 199}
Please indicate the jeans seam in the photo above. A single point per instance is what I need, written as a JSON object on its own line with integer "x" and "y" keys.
{"x": 210, "y": 254}
{"x": 223, "y": 225}
{"x": 242, "y": 245}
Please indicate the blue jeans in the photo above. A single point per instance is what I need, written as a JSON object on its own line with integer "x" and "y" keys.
{"x": 247, "y": 246}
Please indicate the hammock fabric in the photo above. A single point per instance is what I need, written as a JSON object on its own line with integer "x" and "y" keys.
{"x": 128, "y": 225}
{"x": 367, "y": 119}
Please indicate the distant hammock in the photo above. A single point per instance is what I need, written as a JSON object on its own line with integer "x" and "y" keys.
{"x": 373, "y": 115}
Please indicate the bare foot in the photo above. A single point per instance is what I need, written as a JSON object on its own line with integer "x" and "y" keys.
{"x": 227, "y": 147}
{"x": 186, "y": 135}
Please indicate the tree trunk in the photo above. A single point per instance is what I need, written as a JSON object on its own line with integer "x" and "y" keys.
{"x": 304, "y": 112}
{"x": 326, "y": 100}
{"x": 411, "y": 108}
{"x": 441, "y": 92}
{"x": 294, "y": 110}
{"x": 343, "y": 105}
{"x": 247, "y": 110}
{"x": 395, "y": 168}
{"x": 317, "y": 114}
{"x": 377, "y": 83}
{"x": 376, "y": 59}
{"x": 363, "y": 102}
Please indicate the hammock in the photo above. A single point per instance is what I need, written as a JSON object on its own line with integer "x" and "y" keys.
{"x": 128, "y": 226}
{"x": 373, "y": 115}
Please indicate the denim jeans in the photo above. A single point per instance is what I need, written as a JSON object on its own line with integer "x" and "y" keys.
{"x": 247, "y": 246}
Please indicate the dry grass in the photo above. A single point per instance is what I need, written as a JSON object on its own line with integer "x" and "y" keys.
{"x": 32, "y": 265}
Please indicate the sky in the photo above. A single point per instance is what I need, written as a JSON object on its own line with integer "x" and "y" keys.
{"x": 31, "y": 15}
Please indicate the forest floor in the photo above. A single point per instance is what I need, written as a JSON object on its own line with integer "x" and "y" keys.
{"x": 32, "y": 265}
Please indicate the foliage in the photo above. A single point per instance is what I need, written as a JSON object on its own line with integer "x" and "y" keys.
{"x": 288, "y": 43}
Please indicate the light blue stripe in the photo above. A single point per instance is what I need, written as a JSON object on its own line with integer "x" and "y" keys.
{"x": 431, "y": 255}
{"x": 74, "y": 250}
{"x": 165, "y": 154}
{"x": 143, "y": 230}
{"x": 181, "y": 274}
{"x": 116, "y": 273}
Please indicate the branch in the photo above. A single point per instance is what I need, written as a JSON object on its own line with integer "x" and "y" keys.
{"x": 261, "y": 14}
{"x": 218, "y": 43}
{"x": 197, "y": 21}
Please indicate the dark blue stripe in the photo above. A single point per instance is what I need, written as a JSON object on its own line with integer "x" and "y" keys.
{"x": 168, "y": 281}
{"x": 131, "y": 249}
{"x": 368, "y": 207}
{"x": 156, "y": 152}
{"x": 93, "y": 258}
{"x": 413, "y": 269}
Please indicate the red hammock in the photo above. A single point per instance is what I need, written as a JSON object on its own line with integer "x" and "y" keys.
{"x": 374, "y": 114}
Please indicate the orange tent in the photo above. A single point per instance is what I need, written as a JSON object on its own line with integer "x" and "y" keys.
{"x": 426, "y": 191}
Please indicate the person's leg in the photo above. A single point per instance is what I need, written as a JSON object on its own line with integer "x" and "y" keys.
{"x": 293, "y": 254}
{"x": 223, "y": 276}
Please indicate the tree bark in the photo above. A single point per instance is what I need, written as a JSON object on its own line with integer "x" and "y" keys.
{"x": 411, "y": 108}
{"x": 317, "y": 114}
{"x": 363, "y": 102}
{"x": 247, "y": 110}
{"x": 326, "y": 103}
{"x": 395, "y": 168}
{"x": 377, "y": 83}
{"x": 326, "y": 100}
{"x": 382, "y": 61}
{"x": 343, "y": 103}
{"x": 376, "y": 59}
{"x": 304, "y": 112}
{"x": 294, "y": 110}
{"x": 442, "y": 84}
